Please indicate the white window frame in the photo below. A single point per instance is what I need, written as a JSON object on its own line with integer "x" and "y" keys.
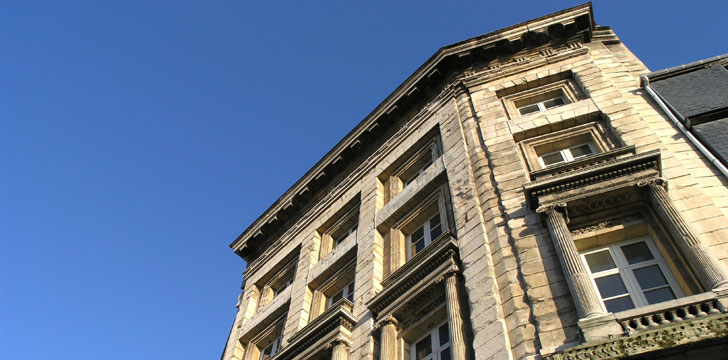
{"x": 434, "y": 335}
{"x": 426, "y": 231}
{"x": 566, "y": 154}
{"x": 345, "y": 294}
{"x": 274, "y": 346}
{"x": 624, "y": 269}
{"x": 541, "y": 106}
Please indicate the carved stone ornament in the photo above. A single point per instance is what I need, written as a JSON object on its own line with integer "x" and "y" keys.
{"x": 607, "y": 224}
{"x": 663, "y": 338}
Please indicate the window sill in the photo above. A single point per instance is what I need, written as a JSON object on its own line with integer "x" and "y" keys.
{"x": 332, "y": 262}
{"x": 267, "y": 314}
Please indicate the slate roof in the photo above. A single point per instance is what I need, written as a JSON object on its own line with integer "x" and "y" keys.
{"x": 696, "y": 92}
{"x": 714, "y": 135}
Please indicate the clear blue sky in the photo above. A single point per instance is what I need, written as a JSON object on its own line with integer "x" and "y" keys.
{"x": 139, "y": 138}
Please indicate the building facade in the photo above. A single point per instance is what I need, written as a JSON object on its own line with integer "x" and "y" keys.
{"x": 521, "y": 195}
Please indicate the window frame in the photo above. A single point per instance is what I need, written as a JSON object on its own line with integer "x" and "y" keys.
{"x": 567, "y": 155}
{"x": 625, "y": 270}
{"x": 434, "y": 335}
{"x": 275, "y": 346}
{"x": 345, "y": 291}
{"x": 427, "y": 233}
{"x": 566, "y": 88}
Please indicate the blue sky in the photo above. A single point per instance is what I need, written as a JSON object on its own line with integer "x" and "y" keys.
{"x": 139, "y": 138}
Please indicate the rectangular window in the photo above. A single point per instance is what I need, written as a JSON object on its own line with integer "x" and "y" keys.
{"x": 272, "y": 349}
{"x": 630, "y": 274}
{"x": 535, "y": 104}
{"x": 347, "y": 292}
{"x": 429, "y": 231}
{"x": 433, "y": 346}
{"x": 567, "y": 154}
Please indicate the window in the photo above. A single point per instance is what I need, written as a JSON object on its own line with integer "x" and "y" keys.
{"x": 346, "y": 292}
{"x": 567, "y": 154}
{"x": 630, "y": 274}
{"x": 425, "y": 234}
{"x": 345, "y": 234}
{"x": 284, "y": 285}
{"x": 271, "y": 349}
{"x": 525, "y": 98}
{"x": 536, "y": 104}
{"x": 433, "y": 346}
{"x": 418, "y": 163}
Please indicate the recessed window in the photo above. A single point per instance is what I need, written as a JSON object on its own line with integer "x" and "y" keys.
{"x": 410, "y": 166}
{"x": 433, "y": 346}
{"x": 418, "y": 163}
{"x": 347, "y": 292}
{"x": 285, "y": 284}
{"x": 271, "y": 349}
{"x": 567, "y": 154}
{"x": 345, "y": 233}
{"x": 339, "y": 228}
{"x": 630, "y": 274}
{"x": 541, "y": 102}
{"x": 425, "y": 234}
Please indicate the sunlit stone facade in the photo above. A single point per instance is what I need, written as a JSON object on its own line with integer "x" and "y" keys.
{"x": 519, "y": 196}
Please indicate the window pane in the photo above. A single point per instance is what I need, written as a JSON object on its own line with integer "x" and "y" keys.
{"x": 435, "y": 221}
{"x": 418, "y": 235}
{"x": 649, "y": 277}
{"x": 528, "y": 109}
{"x": 444, "y": 334}
{"x": 581, "y": 150}
{"x": 551, "y": 159}
{"x": 619, "y": 304}
{"x": 350, "y": 297}
{"x": 445, "y": 354}
{"x": 610, "y": 286}
{"x": 351, "y": 288}
{"x": 659, "y": 295}
{"x": 435, "y": 232}
{"x": 337, "y": 297}
{"x": 423, "y": 348}
{"x": 553, "y": 102}
{"x": 417, "y": 247}
{"x": 637, "y": 253}
{"x": 599, "y": 261}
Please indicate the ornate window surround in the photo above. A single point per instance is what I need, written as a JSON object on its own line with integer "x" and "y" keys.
{"x": 532, "y": 92}
{"x": 617, "y": 182}
{"x": 323, "y": 290}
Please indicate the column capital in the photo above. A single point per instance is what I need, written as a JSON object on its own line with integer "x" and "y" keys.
{"x": 554, "y": 207}
{"x": 387, "y": 320}
{"x": 339, "y": 341}
{"x": 660, "y": 181}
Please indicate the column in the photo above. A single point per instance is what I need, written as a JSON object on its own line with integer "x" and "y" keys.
{"x": 388, "y": 327}
{"x": 584, "y": 294}
{"x": 453, "y": 314}
{"x": 340, "y": 350}
{"x": 701, "y": 260}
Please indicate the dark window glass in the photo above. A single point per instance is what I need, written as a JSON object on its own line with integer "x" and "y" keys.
{"x": 529, "y": 109}
{"x": 435, "y": 227}
{"x": 659, "y": 295}
{"x": 551, "y": 159}
{"x": 610, "y": 286}
{"x": 553, "y": 102}
{"x": 619, "y": 304}
{"x": 637, "y": 253}
{"x": 581, "y": 150}
{"x": 445, "y": 354}
{"x": 444, "y": 334}
{"x": 600, "y": 261}
{"x": 337, "y": 297}
{"x": 649, "y": 277}
{"x": 423, "y": 348}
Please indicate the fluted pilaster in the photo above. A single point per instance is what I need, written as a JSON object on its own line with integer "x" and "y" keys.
{"x": 457, "y": 338}
{"x": 388, "y": 328}
{"x": 340, "y": 350}
{"x": 707, "y": 268}
{"x": 584, "y": 294}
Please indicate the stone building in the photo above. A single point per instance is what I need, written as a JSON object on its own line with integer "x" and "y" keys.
{"x": 521, "y": 195}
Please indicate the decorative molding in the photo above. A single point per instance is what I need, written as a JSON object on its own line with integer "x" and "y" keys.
{"x": 649, "y": 341}
{"x": 441, "y": 251}
{"x": 607, "y": 224}
{"x": 601, "y": 173}
{"x": 337, "y": 316}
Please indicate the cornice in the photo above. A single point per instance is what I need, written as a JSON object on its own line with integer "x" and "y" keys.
{"x": 586, "y": 175}
{"x": 422, "y": 265}
{"x": 573, "y": 23}
{"x": 338, "y": 315}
